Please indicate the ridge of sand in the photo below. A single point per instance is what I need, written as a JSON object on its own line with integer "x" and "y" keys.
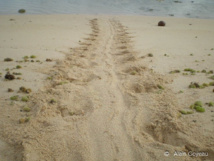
{"x": 108, "y": 106}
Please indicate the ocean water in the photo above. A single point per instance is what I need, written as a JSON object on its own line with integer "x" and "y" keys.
{"x": 180, "y": 8}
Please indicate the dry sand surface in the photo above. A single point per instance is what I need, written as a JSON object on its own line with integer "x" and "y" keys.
{"x": 102, "y": 97}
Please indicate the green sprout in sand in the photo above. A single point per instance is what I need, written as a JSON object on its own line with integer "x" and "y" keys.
{"x": 33, "y": 56}
{"x": 14, "y": 98}
{"x": 198, "y": 106}
{"x": 18, "y": 67}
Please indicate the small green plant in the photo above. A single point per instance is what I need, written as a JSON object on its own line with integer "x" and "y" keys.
{"x": 15, "y": 73}
{"x": 24, "y": 120}
{"x": 186, "y": 112}
{"x": 210, "y": 104}
{"x": 199, "y": 109}
{"x": 33, "y": 56}
{"x": 181, "y": 91}
{"x": 185, "y": 73}
{"x": 25, "y": 99}
{"x": 174, "y": 71}
{"x": 194, "y": 85}
{"x": 14, "y": 98}
{"x": 25, "y": 57}
{"x": 203, "y": 71}
{"x": 133, "y": 72}
{"x": 211, "y": 84}
{"x": 198, "y": 103}
{"x": 61, "y": 83}
{"x": 53, "y": 101}
{"x": 191, "y": 54}
{"x": 189, "y": 70}
{"x": 160, "y": 87}
{"x": 212, "y": 49}
{"x": 7, "y": 69}
{"x": 18, "y": 66}
{"x": 198, "y": 106}
{"x": 212, "y": 77}
{"x": 150, "y": 55}
{"x": 71, "y": 113}
{"x": 8, "y": 59}
{"x": 50, "y": 78}
{"x": 26, "y": 109}
{"x": 210, "y": 72}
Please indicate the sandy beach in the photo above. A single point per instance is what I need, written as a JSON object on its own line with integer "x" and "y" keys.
{"x": 102, "y": 88}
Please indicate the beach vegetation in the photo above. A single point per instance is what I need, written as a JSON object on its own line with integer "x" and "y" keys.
{"x": 203, "y": 71}
{"x": 24, "y": 120}
{"x": 160, "y": 87}
{"x": 8, "y": 59}
{"x": 194, "y": 85}
{"x": 14, "y": 98}
{"x": 71, "y": 113}
{"x": 26, "y": 57}
{"x": 26, "y": 109}
{"x": 174, "y": 71}
{"x": 150, "y": 55}
{"x": 18, "y": 67}
{"x": 210, "y": 104}
{"x": 185, "y": 73}
{"x": 61, "y": 83}
{"x": 189, "y": 70}
{"x": 133, "y": 72}
{"x": 181, "y": 91}
{"x": 199, "y": 109}
{"x": 15, "y": 73}
{"x": 50, "y": 78}
{"x": 52, "y": 101}
{"x": 186, "y": 112}
{"x": 210, "y": 72}
{"x": 191, "y": 54}
{"x": 33, "y": 56}
{"x": 25, "y": 98}
{"x": 7, "y": 69}
{"x": 212, "y": 77}
{"x": 198, "y": 106}
{"x": 211, "y": 84}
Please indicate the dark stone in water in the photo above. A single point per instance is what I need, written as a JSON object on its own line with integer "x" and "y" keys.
{"x": 9, "y": 76}
{"x": 161, "y": 23}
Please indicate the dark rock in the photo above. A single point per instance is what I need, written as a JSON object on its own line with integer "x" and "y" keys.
{"x": 161, "y": 23}
{"x": 9, "y": 76}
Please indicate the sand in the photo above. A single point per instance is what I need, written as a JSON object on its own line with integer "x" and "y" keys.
{"x": 102, "y": 97}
